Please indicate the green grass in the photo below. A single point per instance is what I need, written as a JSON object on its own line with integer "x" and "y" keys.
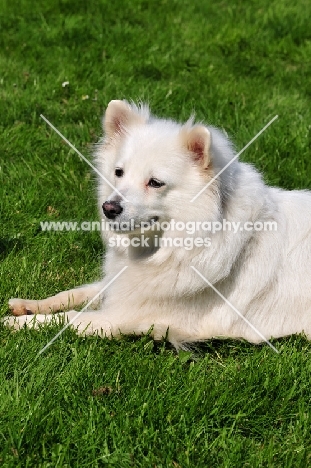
{"x": 237, "y": 64}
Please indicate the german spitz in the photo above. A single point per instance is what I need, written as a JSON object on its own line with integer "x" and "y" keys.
{"x": 197, "y": 245}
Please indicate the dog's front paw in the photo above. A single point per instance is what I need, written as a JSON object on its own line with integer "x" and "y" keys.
{"x": 30, "y": 321}
{"x": 17, "y": 322}
{"x": 19, "y": 307}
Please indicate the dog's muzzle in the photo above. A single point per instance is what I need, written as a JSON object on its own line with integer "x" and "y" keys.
{"x": 112, "y": 209}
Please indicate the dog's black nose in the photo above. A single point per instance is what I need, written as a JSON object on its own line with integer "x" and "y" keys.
{"x": 112, "y": 209}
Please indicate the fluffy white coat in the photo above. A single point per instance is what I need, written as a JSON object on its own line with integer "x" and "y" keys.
{"x": 265, "y": 275}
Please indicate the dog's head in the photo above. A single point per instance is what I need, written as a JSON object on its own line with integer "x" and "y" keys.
{"x": 152, "y": 168}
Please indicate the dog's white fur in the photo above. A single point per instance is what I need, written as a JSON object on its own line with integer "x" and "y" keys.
{"x": 264, "y": 275}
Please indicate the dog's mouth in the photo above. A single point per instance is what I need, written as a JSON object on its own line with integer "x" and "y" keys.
{"x": 132, "y": 225}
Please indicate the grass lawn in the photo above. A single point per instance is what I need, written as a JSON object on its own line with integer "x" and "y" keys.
{"x": 89, "y": 402}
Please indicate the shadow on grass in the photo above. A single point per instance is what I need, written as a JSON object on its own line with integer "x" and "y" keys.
{"x": 8, "y": 244}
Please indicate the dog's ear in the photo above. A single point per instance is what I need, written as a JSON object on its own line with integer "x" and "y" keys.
{"x": 198, "y": 141}
{"x": 119, "y": 115}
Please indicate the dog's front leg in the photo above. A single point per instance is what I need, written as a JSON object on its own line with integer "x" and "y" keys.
{"x": 84, "y": 323}
{"x": 62, "y": 301}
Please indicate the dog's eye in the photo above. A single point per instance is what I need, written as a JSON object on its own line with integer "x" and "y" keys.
{"x": 118, "y": 172}
{"x": 154, "y": 183}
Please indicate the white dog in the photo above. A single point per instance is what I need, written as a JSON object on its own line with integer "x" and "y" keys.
{"x": 198, "y": 289}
